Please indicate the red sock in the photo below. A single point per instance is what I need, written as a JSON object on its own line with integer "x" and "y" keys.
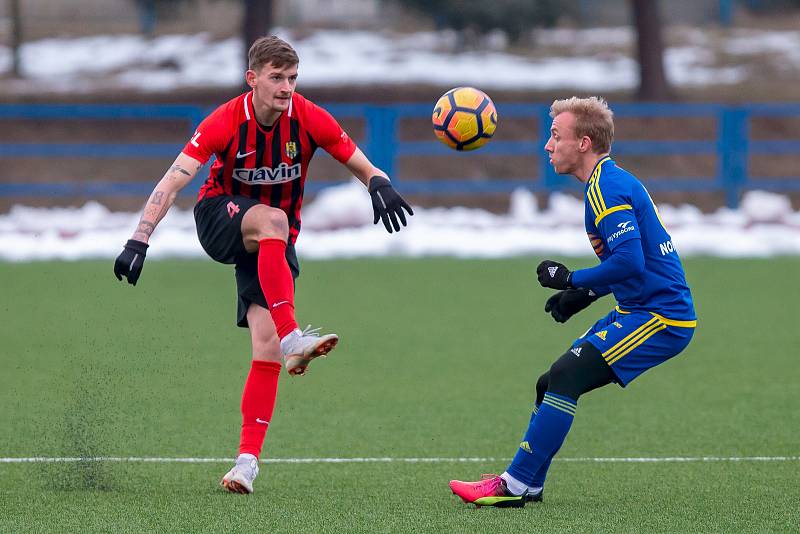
{"x": 258, "y": 402}
{"x": 277, "y": 284}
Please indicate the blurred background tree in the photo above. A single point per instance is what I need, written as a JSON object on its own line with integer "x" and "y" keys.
{"x": 514, "y": 17}
{"x": 653, "y": 83}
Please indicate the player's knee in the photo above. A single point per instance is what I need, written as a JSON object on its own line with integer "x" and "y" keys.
{"x": 277, "y": 223}
{"x": 561, "y": 379}
{"x": 578, "y": 372}
{"x": 267, "y": 222}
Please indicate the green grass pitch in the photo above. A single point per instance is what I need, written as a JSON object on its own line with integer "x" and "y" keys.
{"x": 438, "y": 359}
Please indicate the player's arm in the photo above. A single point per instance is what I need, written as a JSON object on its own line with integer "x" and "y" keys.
{"x": 626, "y": 259}
{"x": 130, "y": 262}
{"x": 387, "y": 204}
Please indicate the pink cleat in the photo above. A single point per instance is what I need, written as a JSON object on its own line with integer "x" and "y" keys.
{"x": 491, "y": 490}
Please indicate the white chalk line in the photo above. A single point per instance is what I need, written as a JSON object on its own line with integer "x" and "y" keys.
{"x": 431, "y": 460}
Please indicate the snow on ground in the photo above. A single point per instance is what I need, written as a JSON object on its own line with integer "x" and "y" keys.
{"x": 339, "y": 224}
{"x": 591, "y": 59}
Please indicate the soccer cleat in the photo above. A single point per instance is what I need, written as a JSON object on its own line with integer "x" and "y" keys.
{"x": 240, "y": 478}
{"x": 537, "y": 496}
{"x": 491, "y": 490}
{"x": 300, "y": 347}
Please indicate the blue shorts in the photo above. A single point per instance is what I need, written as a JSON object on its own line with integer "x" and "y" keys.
{"x": 633, "y": 342}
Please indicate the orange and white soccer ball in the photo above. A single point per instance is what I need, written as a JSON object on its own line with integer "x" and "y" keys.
{"x": 464, "y": 118}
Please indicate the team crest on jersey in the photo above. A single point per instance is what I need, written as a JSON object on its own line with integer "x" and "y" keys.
{"x": 602, "y": 334}
{"x": 291, "y": 150}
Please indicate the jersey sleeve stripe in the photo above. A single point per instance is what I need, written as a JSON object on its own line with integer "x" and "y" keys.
{"x": 601, "y": 203}
{"x": 609, "y": 211}
{"x": 645, "y": 337}
{"x": 590, "y": 194}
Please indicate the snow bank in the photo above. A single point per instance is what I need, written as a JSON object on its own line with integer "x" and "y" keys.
{"x": 339, "y": 224}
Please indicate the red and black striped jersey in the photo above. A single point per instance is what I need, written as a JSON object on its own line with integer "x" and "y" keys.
{"x": 268, "y": 165}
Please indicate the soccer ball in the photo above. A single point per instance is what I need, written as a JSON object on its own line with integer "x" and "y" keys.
{"x": 464, "y": 118}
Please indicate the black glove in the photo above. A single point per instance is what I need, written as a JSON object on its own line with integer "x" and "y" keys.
{"x": 567, "y": 303}
{"x": 131, "y": 261}
{"x": 387, "y": 204}
{"x": 553, "y": 274}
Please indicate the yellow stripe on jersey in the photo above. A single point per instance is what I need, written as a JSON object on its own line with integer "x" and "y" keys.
{"x": 593, "y": 192}
{"x": 599, "y": 194}
{"x": 620, "y": 310}
{"x": 620, "y": 344}
{"x": 675, "y": 322}
{"x": 609, "y": 211}
{"x": 644, "y": 337}
{"x": 593, "y": 200}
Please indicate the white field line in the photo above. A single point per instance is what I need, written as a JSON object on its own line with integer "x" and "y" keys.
{"x": 140, "y": 459}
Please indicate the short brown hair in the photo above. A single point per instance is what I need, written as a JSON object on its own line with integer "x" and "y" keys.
{"x": 593, "y": 119}
{"x": 271, "y": 50}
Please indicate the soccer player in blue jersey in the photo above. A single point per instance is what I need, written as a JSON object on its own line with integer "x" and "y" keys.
{"x": 653, "y": 321}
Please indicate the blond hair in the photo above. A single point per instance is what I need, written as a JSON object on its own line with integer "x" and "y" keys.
{"x": 271, "y": 50}
{"x": 593, "y": 119}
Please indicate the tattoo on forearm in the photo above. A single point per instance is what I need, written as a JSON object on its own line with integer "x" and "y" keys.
{"x": 157, "y": 196}
{"x": 145, "y": 227}
{"x": 178, "y": 168}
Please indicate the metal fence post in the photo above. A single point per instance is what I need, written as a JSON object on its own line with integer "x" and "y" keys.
{"x": 382, "y": 137}
{"x": 733, "y": 153}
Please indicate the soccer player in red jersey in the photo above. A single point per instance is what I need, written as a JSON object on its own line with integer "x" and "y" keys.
{"x": 248, "y": 214}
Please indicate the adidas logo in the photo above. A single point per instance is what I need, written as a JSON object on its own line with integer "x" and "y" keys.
{"x": 602, "y": 334}
{"x": 525, "y": 447}
{"x": 552, "y": 271}
{"x": 576, "y": 351}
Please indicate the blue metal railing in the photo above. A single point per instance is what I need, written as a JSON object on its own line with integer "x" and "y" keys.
{"x": 731, "y": 149}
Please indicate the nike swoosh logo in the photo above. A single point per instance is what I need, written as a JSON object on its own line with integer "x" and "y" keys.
{"x": 259, "y": 420}
{"x": 239, "y": 155}
{"x": 279, "y": 303}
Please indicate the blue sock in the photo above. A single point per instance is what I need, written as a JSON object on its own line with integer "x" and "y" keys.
{"x": 541, "y": 474}
{"x": 546, "y": 432}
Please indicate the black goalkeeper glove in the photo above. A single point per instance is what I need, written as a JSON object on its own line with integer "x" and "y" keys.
{"x": 131, "y": 261}
{"x": 567, "y": 303}
{"x": 387, "y": 204}
{"x": 553, "y": 274}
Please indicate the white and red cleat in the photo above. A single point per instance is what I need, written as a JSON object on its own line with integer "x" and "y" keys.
{"x": 240, "y": 478}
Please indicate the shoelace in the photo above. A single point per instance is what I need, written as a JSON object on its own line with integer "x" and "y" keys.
{"x": 308, "y": 331}
{"x": 491, "y": 481}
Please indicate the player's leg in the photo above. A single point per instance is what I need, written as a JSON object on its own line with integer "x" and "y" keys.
{"x": 258, "y": 399}
{"x": 265, "y": 231}
{"x": 568, "y": 378}
{"x": 571, "y": 376}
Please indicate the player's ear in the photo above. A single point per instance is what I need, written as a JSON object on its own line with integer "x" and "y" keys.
{"x": 585, "y": 144}
{"x": 250, "y": 77}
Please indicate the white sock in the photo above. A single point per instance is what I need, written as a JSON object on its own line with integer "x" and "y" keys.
{"x": 514, "y": 486}
{"x": 245, "y": 457}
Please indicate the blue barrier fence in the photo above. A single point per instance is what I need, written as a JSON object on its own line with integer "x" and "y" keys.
{"x": 732, "y": 147}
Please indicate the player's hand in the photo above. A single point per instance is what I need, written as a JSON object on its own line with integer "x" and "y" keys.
{"x": 131, "y": 261}
{"x": 387, "y": 204}
{"x": 553, "y": 274}
{"x": 567, "y": 303}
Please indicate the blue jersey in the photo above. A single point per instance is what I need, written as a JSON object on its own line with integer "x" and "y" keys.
{"x": 619, "y": 209}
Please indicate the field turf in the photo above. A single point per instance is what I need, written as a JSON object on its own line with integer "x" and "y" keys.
{"x": 438, "y": 359}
